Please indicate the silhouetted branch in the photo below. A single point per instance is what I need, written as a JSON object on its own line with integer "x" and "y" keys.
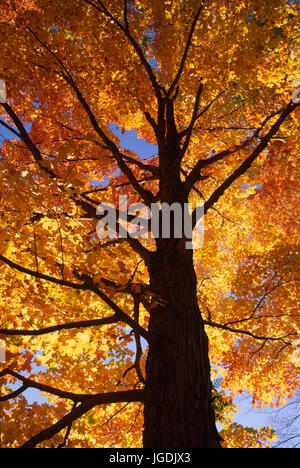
{"x": 248, "y": 333}
{"x": 86, "y": 285}
{"x": 64, "y": 326}
{"x": 246, "y": 164}
{"x": 185, "y": 53}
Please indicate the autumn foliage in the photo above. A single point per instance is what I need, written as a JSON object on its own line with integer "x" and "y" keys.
{"x": 211, "y": 84}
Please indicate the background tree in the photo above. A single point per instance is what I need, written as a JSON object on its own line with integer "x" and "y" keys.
{"x": 285, "y": 421}
{"x": 121, "y": 326}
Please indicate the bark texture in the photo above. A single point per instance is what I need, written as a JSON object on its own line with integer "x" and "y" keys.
{"x": 178, "y": 407}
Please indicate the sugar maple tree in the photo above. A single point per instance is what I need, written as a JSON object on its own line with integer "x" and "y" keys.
{"x": 115, "y": 331}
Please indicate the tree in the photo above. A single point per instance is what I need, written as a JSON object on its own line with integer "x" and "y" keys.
{"x": 211, "y": 84}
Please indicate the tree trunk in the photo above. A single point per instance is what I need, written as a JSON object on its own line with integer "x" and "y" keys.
{"x": 178, "y": 406}
{"x": 178, "y": 410}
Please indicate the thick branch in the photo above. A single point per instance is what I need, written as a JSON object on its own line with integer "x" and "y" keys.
{"x": 158, "y": 89}
{"x": 145, "y": 167}
{"x": 207, "y": 107}
{"x": 41, "y": 387}
{"x": 112, "y": 147}
{"x": 27, "y": 140}
{"x": 68, "y": 431}
{"x": 83, "y": 408}
{"x": 14, "y": 394}
{"x": 76, "y": 397}
{"x": 11, "y": 129}
{"x": 138, "y": 344}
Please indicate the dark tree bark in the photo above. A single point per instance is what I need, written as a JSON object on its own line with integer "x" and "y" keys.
{"x": 178, "y": 407}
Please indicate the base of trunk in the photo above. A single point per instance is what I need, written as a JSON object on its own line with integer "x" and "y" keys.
{"x": 178, "y": 406}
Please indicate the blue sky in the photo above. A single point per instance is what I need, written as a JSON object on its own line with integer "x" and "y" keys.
{"x": 130, "y": 141}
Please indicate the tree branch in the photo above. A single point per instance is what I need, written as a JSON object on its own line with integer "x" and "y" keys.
{"x": 146, "y": 195}
{"x": 111, "y": 146}
{"x": 63, "y": 326}
{"x": 31, "y": 146}
{"x": 11, "y": 129}
{"x": 185, "y": 53}
{"x": 189, "y": 130}
{"x": 66, "y": 437}
{"x": 41, "y": 387}
{"x": 122, "y": 316}
{"x": 80, "y": 410}
{"x": 125, "y": 16}
{"x": 36, "y": 274}
{"x": 155, "y": 85}
{"x": 86, "y": 285}
{"x": 264, "y": 141}
{"x": 248, "y": 333}
{"x": 27, "y": 140}
{"x": 206, "y": 108}
{"x": 112, "y": 397}
{"x": 158, "y": 127}
{"x": 194, "y": 175}
{"x": 138, "y": 344}
{"x": 14, "y": 394}
{"x": 145, "y": 167}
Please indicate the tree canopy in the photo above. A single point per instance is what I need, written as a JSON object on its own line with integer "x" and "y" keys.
{"x": 211, "y": 84}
